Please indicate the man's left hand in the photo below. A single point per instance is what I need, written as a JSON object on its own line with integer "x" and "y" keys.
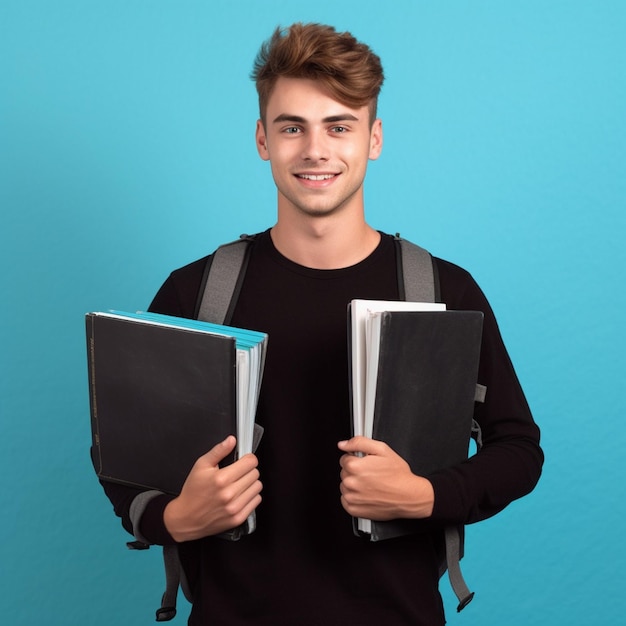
{"x": 378, "y": 484}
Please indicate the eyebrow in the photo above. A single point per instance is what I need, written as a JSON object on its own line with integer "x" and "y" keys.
{"x": 331, "y": 119}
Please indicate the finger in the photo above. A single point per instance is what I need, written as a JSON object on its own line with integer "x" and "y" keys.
{"x": 239, "y": 469}
{"x": 248, "y": 492}
{"x": 243, "y": 504}
{"x": 248, "y": 481}
{"x": 362, "y": 444}
{"x": 218, "y": 452}
{"x": 350, "y": 508}
{"x": 247, "y": 510}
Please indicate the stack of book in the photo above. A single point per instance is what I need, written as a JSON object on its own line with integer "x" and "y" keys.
{"x": 414, "y": 369}
{"x": 165, "y": 390}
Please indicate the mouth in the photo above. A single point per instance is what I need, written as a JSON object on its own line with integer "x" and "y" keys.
{"x": 316, "y": 177}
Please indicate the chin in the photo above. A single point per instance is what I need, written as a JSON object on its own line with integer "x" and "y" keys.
{"x": 319, "y": 211}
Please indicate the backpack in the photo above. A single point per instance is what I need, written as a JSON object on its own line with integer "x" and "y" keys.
{"x": 224, "y": 272}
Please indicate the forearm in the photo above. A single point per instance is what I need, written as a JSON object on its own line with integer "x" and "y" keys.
{"x": 485, "y": 484}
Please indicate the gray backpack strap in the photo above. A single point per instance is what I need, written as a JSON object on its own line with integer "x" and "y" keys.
{"x": 453, "y": 558}
{"x": 453, "y": 536}
{"x": 417, "y": 273}
{"x": 223, "y": 281}
{"x": 167, "y": 610}
{"x": 174, "y": 577}
{"x": 418, "y": 281}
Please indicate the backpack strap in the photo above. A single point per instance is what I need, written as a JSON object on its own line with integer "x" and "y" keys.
{"x": 222, "y": 280}
{"x": 174, "y": 577}
{"x": 418, "y": 278}
{"x": 173, "y": 570}
{"x": 454, "y": 551}
{"x": 418, "y": 281}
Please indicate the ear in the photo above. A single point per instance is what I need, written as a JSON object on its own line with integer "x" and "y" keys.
{"x": 376, "y": 139}
{"x": 261, "y": 141}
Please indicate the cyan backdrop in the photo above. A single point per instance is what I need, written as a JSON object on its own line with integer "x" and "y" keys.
{"x": 126, "y": 150}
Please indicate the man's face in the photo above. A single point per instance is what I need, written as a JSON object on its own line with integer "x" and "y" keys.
{"x": 318, "y": 148}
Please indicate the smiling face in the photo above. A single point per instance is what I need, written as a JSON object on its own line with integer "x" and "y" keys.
{"x": 318, "y": 148}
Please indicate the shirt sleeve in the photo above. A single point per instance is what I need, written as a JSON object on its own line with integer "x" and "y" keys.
{"x": 509, "y": 463}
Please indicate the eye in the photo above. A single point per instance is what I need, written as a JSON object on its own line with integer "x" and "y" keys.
{"x": 339, "y": 129}
{"x": 291, "y": 130}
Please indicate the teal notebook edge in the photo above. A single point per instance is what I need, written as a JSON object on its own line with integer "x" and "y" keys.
{"x": 245, "y": 339}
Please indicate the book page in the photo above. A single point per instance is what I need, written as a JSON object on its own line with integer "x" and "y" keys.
{"x": 364, "y": 357}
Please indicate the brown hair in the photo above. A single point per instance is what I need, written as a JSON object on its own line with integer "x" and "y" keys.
{"x": 348, "y": 69}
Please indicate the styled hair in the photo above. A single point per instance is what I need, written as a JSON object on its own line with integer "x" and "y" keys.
{"x": 347, "y": 68}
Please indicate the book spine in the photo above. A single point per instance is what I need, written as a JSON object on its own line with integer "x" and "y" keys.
{"x": 93, "y": 401}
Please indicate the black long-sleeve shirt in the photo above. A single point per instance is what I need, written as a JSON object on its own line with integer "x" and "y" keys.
{"x": 303, "y": 565}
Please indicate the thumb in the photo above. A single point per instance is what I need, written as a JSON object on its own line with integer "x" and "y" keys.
{"x": 218, "y": 452}
{"x": 360, "y": 444}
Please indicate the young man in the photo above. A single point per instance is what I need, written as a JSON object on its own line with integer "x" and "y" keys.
{"x": 303, "y": 565}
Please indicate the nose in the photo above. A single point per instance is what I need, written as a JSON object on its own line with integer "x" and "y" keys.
{"x": 315, "y": 146}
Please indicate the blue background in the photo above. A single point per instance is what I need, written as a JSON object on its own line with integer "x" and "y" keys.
{"x": 126, "y": 150}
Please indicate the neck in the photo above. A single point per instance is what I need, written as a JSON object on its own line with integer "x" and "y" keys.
{"x": 325, "y": 242}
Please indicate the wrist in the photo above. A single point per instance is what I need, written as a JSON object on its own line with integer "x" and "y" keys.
{"x": 422, "y": 501}
{"x": 175, "y": 522}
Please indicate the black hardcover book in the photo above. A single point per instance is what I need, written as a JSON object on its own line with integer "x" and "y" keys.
{"x": 425, "y": 388}
{"x": 163, "y": 392}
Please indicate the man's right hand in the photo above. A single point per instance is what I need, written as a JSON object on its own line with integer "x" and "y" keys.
{"x": 214, "y": 499}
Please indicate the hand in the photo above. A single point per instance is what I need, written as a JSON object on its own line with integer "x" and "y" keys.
{"x": 214, "y": 499}
{"x": 380, "y": 484}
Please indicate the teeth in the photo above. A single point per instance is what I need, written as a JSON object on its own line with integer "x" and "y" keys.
{"x": 312, "y": 177}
